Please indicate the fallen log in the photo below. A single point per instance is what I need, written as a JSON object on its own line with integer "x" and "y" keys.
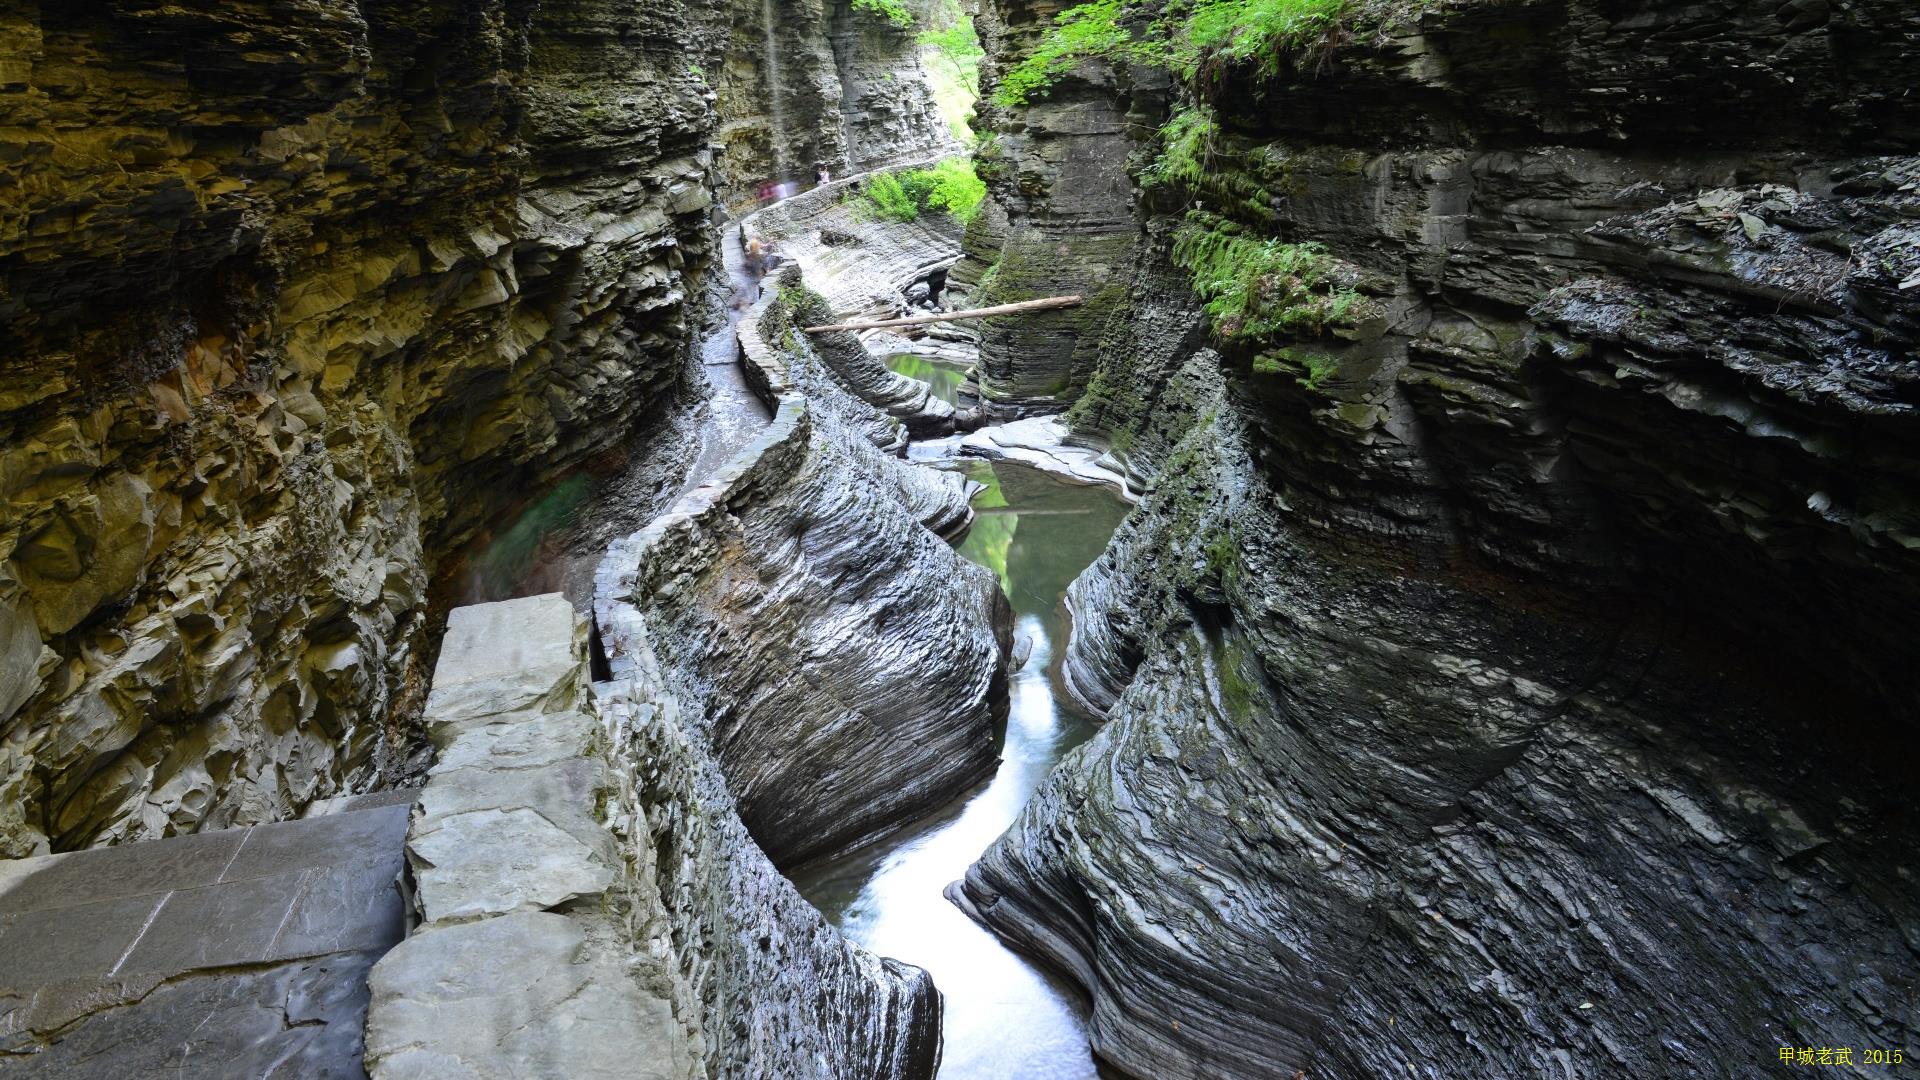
{"x": 1048, "y": 304}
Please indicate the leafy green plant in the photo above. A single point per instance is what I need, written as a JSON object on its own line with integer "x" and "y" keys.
{"x": 894, "y": 11}
{"x": 1186, "y": 144}
{"x": 1263, "y": 30}
{"x": 890, "y": 197}
{"x": 952, "y": 186}
{"x": 953, "y": 67}
{"x": 1079, "y": 33}
{"x": 1186, "y": 37}
{"x": 959, "y": 46}
{"x": 957, "y": 189}
{"x": 1254, "y": 287}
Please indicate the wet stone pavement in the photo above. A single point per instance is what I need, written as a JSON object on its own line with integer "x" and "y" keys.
{"x": 242, "y": 952}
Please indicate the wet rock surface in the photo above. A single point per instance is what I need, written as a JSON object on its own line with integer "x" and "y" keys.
{"x": 801, "y": 547}
{"x": 823, "y": 632}
{"x": 1497, "y": 684}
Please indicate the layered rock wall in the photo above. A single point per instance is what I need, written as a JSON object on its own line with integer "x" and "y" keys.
{"x": 1503, "y": 652}
{"x": 294, "y": 296}
{"x": 796, "y": 664}
{"x": 818, "y": 629}
{"x": 843, "y": 88}
{"x": 1058, "y": 171}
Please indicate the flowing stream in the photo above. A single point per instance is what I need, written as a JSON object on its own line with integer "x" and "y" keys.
{"x": 1004, "y": 1017}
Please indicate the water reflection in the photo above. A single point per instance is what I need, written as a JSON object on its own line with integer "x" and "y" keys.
{"x": 1004, "y": 1017}
{"x": 944, "y": 378}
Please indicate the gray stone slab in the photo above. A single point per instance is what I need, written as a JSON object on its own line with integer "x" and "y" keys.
{"x": 513, "y": 656}
{"x": 253, "y": 965}
{"x": 521, "y": 741}
{"x": 216, "y": 925}
{"x": 445, "y": 1006}
{"x": 79, "y": 877}
{"x": 80, "y": 941}
{"x": 490, "y": 862}
{"x": 558, "y": 777}
{"x": 346, "y": 907}
{"x": 323, "y": 841}
{"x": 291, "y": 1022}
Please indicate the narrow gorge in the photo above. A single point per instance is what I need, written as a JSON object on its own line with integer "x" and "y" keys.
{"x": 1418, "y": 584}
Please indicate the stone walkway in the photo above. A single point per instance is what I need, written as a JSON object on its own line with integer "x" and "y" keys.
{"x": 520, "y": 966}
{"x": 242, "y": 952}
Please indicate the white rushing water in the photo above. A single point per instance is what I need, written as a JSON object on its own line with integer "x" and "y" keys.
{"x": 776, "y": 109}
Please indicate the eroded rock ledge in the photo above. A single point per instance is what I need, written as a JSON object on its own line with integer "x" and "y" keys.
{"x": 794, "y": 664}
{"x": 820, "y": 634}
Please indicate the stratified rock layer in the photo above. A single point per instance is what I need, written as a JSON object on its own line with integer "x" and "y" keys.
{"x": 828, "y": 86}
{"x": 299, "y": 299}
{"x": 295, "y": 296}
{"x": 1504, "y": 682}
{"x": 825, "y": 642}
{"x": 797, "y": 664}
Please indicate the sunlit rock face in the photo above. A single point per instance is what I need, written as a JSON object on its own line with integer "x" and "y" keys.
{"x": 1502, "y": 683}
{"x": 295, "y": 296}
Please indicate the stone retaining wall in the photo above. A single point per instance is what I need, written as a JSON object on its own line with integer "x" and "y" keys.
{"x": 522, "y": 962}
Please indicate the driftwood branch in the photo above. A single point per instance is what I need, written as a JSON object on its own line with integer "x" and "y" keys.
{"x": 1048, "y": 304}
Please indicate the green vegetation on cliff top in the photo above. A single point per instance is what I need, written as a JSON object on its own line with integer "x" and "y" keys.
{"x": 894, "y": 11}
{"x": 1190, "y": 33}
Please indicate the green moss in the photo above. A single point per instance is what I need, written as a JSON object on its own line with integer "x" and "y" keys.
{"x": 1221, "y": 556}
{"x": 1256, "y": 287}
{"x": 1237, "y": 692}
{"x": 1308, "y": 368}
{"x": 893, "y": 11}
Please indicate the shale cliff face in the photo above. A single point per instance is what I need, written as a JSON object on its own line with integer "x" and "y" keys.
{"x": 1503, "y": 670}
{"x": 1059, "y": 171}
{"x": 796, "y": 664}
{"x": 294, "y": 295}
{"x": 809, "y": 82}
{"x": 297, "y": 297}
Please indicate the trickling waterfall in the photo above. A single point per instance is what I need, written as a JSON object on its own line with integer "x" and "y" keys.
{"x": 777, "y": 113}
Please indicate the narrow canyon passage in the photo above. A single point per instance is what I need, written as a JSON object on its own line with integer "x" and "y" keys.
{"x": 1003, "y": 1017}
{"x": 960, "y": 539}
